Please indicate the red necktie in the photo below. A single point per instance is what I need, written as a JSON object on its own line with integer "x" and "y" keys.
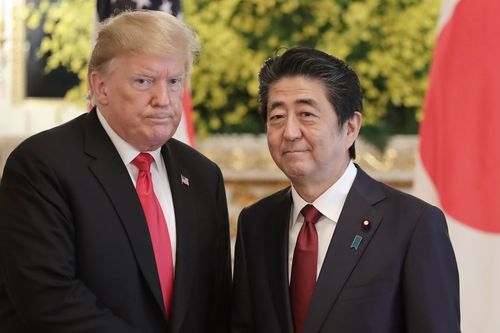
{"x": 304, "y": 267}
{"x": 157, "y": 226}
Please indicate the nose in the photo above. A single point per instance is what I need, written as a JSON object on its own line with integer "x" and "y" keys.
{"x": 292, "y": 129}
{"x": 160, "y": 96}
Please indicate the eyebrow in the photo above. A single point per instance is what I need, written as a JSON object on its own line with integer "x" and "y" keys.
{"x": 300, "y": 101}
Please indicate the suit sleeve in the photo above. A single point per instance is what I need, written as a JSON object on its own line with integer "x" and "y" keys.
{"x": 431, "y": 287}
{"x": 220, "y": 310}
{"x": 37, "y": 254}
{"x": 241, "y": 307}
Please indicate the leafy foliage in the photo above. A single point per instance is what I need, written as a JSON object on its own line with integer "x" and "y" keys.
{"x": 387, "y": 42}
{"x": 68, "y": 25}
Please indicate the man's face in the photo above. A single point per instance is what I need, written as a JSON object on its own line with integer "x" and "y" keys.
{"x": 140, "y": 96}
{"x": 303, "y": 135}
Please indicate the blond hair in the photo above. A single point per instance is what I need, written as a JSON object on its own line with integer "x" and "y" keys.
{"x": 143, "y": 32}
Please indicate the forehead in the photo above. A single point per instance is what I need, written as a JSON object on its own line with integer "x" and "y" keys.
{"x": 297, "y": 86}
{"x": 297, "y": 90}
{"x": 143, "y": 63}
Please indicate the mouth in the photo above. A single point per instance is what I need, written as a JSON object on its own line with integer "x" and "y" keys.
{"x": 161, "y": 115}
{"x": 160, "y": 119}
{"x": 294, "y": 152}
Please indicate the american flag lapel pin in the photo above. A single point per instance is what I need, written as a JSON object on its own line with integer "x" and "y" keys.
{"x": 184, "y": 180}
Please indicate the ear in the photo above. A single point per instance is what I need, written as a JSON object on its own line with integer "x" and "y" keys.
{"x": 98, "y": 87}
{"x": 353, "y": 126}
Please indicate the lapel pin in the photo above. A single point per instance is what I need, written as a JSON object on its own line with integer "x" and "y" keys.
{"x": 184, "y": 180}
{"x": 356, "y": 241}
{"x": 365, "y": 225}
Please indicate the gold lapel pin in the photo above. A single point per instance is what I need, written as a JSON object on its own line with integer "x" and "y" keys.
{"x": 365, "y": 225}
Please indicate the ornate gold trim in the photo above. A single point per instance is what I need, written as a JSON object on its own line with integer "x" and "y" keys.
{"x": 18, "y": 54}
{"x": 246, "y": 157}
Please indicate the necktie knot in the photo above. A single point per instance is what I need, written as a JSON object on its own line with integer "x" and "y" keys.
{"x": 143, "y": 161}
{"x": 311, "y": 214}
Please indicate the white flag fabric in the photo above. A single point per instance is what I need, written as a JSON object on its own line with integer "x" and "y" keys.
{"x": 459, "y": 156}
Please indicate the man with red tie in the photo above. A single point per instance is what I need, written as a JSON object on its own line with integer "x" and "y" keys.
{"x": 107, "y": 224}
{"x": 336, "y": 251}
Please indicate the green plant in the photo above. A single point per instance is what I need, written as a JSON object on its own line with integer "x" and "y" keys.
{"x": 388, "y": 42}
{"x": 68, "y": 26}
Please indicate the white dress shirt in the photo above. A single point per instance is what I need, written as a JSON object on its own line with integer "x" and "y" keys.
{"x": 161, "y": 186}
{"x": 330, "y": 204}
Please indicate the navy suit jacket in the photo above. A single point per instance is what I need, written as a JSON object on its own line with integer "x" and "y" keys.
{"x": 75, "y": 251}
{"x": 401, "y": 278}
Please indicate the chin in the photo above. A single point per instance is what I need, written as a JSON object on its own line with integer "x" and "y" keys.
{"x": 151, "y": 145}
{"x": 160, "y": 137}
{"x": 294, "y": 172}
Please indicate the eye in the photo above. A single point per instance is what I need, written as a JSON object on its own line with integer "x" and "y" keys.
{"x": 142, "y": 83}
{"x": 175, "y": 83}
{"x": 276, "y": 117}
{"x": 306, "y": 114}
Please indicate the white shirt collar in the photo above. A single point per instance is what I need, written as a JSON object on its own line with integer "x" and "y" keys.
{"x": 331, "y": 202}
{"x": 126, "y": 150}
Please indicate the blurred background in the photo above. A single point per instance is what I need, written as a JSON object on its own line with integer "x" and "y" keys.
{"x": 419, "y": 61}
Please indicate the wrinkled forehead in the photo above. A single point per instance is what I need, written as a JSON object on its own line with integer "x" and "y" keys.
{"x": 174, "y": 64}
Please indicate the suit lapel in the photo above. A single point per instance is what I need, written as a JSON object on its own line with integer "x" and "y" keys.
{"x": 112, "y": 174}
{"x": 341, "y": 258}
{"x": 277, "y": 259}
{"x": 186, "y": 233}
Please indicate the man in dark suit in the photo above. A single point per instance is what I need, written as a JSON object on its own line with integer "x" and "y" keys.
{"x": 337, "y": 251}
{"x": 93, "y": 241}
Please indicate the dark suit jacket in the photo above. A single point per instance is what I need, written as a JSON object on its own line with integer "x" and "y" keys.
{"x": 76, "y": 255}
{"x": 402, "y": 278}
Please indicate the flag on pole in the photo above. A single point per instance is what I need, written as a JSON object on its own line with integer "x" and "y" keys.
{"x": 106, "y": 8}
{"x": 459, "y": 155}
